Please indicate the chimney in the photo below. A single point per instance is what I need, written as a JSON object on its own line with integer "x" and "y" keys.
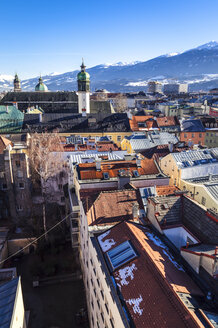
{"x": 40, "y": 117}
{"x": 98, "y": 164}
{"x": 170, "y": 146}
{"x": 138, "y": 161}
{"x": 135, "y": 211}
{"x": 123, "y": 179}
{"x": 187, "y": 244}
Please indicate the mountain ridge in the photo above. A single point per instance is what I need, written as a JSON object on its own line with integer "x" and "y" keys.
{"x": 197, "y": 66}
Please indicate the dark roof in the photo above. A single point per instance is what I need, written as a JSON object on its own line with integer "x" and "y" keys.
{"x": 192, "y": 126}
{"x": 7, "y": 299}
{"x": 68, "y": 122}
{"x": 48, "y": 101}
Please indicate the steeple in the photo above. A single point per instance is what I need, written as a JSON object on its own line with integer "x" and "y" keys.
{"x": 83, "y": 80}
{"x": 83, "y": 67}
{"x": 17, "y": 86}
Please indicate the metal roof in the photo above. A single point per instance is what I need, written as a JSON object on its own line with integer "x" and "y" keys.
{"x": 153, "y": 139}
{"x": 7, "y": 299}
{"x": 81, "y": 157}
{"x": 213, "y": 190}
{"x": 196, "y": 157}
{"x": 192, "y": 126}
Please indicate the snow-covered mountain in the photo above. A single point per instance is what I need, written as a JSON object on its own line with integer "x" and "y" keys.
{"x": 198, "y": 67}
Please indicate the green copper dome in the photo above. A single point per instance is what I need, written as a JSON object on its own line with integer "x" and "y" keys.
{"x": 83, "y": 76}
{"x": 41, "y": 86}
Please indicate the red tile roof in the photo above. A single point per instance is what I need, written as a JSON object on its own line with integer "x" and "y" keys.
{"x": 80, "y": 147}
{"x": 110, "y": 207}
{"x": 88, "y": 170}
{"x": 149, "y": 283}
{"x": 166, "y": 190}
{"x": 166, "y": 121}
{"x": 106, "y": 146}
{"x": 148, "y": 120}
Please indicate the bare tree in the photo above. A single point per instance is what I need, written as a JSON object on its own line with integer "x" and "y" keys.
{"x": 45, "y": 152}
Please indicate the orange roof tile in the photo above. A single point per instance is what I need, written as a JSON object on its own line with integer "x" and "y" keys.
{"x": 87, "y": 171}
{"x": 166, "y": 190}
{"x": 149, "y": 283}
{"x": 110, "y": 207}
{"x": 166, "y": 121}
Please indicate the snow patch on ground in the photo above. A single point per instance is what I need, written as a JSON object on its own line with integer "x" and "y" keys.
{"x": 136, "y": 304}
{"x": 166, "y": 250}
{"x": 107, "y": 243}
{"x": 127, "y": 272}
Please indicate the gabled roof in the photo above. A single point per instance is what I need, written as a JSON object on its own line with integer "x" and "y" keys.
{"x": 7, "y": 299}
{"x": 151, "y": 283}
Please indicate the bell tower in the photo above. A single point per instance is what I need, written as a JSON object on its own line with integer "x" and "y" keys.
{"x": 17, "y": 86}
{"x": 83, "y": 80}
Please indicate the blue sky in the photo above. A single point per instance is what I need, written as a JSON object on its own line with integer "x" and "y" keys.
{"x": 52, "y": 36}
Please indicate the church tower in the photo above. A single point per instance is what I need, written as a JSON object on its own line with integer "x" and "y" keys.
{"x": 83, "y": 80}
{"x": 17, "y": 87}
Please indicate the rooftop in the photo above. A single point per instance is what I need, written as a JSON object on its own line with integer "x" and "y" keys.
{"x": 88, "y": 171}
{"x": 8, "y": 292}
{"x": 196, "y": 157}
{"x": 110, "y": 207}
{"x": 192, "y": 126}
{"x": 140, "y": 141}
{"x": 151, "y": 282}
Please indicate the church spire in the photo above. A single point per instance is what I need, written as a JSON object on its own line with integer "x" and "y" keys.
{"x": 17, "y": 86}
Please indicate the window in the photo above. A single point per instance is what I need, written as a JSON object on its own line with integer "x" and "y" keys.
{"x": 62, "y": 199}
{"x": 119, "y": 138}
{"x": 19, "y": 208}
{"x": 193, "y": 135}
{"x": 102, "y": 293}
{"x": 21, "y": 185}
{"x": 60, "y": 186}
{"x": 98, "y": 303}
{"x": 203, "y": 201}
{"x": 121, "y": 254}
{"x": 185, "y": 135}
{"x": 17, "y": 163}
{"x": 106, "y": 307}
{"x": 112, "y": 322}
{"x": 4, "y": 186}
{"x": 200, "y": 135}
{"x": 102, "y": 316}
{"x": 136, "y": 173}
{"x": 19, "y": 174}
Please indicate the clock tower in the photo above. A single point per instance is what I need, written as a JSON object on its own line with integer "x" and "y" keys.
{"x": 83, "y": 80}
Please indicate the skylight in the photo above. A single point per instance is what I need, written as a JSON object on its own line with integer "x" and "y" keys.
{"x": 135, "y": 173}
{"x": 106, "y": 176}
{"x": 121, "y": 254}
